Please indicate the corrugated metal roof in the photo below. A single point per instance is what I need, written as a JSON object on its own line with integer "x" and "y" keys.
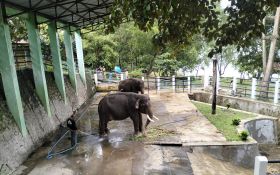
{"x": 77, "y": 13}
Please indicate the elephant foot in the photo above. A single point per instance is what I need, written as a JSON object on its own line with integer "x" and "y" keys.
{"x": 107, "y": 131}
{"x": 140, "y": 134}
{"x": 137, "y": 134}
{"x": 103, "y": 135}
{"x": 144, "y": 134}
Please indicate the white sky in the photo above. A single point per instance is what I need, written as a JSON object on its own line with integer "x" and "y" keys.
{"x": 224, "y": 3}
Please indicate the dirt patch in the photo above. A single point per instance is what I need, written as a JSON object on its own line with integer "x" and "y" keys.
{"x": 154, "y": 134}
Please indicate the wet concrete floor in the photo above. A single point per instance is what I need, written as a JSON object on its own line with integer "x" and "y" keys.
{"x": 118, "y": 154}
{"x": 272, "y": 153}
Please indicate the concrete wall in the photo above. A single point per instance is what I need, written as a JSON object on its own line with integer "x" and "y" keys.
{"x": 14, "y": 148}
{"x": 239, "y": 154}
{"x": 259, "y": 107}
{"x": 266, "y": 130}
{"x": 263, "y": 130}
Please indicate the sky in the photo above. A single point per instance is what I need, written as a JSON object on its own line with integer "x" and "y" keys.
{"x": 224, "y": 3}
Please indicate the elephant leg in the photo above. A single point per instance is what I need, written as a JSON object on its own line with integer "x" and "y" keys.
{"x": 140, "y": 123}
{"x": 135, "y": 119}
{"x": 107, "y": 131}
{"x": 101, "y": 127}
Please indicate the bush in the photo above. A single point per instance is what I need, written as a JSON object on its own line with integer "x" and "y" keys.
{"x": 244, "y": 135}
{"x": 136, "y": 73}
{"x": 236, "y": 122}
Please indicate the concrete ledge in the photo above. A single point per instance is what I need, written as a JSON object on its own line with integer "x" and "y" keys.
{"x": 238, "y": 154}
{"x": 263, "y": 110}
{"x": 244, "y": 104}
{"x": 106, "y": 87}
{"x": 233, "y": 143}
{"x": 262, "y": 128}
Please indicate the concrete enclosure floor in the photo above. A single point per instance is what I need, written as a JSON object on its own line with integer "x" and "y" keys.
{"x": 118, "y": 154}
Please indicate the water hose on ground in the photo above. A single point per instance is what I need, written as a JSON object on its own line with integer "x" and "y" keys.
{"x": 50, "y": 154}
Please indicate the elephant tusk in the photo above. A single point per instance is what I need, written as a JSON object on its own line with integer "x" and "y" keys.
{"x": 155, "y": 117}
{"x": 150, "y": 119}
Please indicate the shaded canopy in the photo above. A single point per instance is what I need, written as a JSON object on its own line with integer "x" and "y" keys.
{"x": 75, "y": 13}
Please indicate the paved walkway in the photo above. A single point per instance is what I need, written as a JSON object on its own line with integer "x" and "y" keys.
{"x": 175, "y": 111}
{"x": 117, "y": 154}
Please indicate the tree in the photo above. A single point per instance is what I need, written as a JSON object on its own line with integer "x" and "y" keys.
{"x": 250, "y": 59}
{"x": 225, "y": 58}
{"x": 178, "y": 20}
{"x": 17, "y": 29}
{"x": 166, "y": 65}
{"x": 135, "y": 46}
{"x": 270, "y": 60}
{"x": 100, "y": 50}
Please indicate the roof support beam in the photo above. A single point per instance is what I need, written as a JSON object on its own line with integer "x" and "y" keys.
{"x": 90, "y": 10}
{"x": 70, "y": 58}
{"x": 9, "y": 75}
{"x": 56, "y": 59}
{"x": 80, "y": 56}
{"x": 25, "y": 10}
{"x": 37, "y": 62}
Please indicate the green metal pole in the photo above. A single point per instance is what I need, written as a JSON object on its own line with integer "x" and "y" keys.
{"x": 9, "y": 75}
{"x": 80, "y": 56}
{"x": 70, "y": 58}
{"x": 56, "y": 59}
{"x": 37, "y": 61}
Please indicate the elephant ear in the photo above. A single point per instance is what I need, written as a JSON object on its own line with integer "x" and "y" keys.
{"x": 137, "y": 104}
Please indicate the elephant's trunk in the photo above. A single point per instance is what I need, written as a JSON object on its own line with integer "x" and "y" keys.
{"x": 150, "y": 117}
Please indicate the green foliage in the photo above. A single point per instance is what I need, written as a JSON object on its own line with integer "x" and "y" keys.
{"x": 250, "y": 59}
{"x": 136, "y": 49}
{"x": 236, "y": 122}
{"x": 179, "y": 20}
{"x": 137, "y": 73}
{"x": 17, "y": 29}
{"x": 100, "y": 50}
{"x": 244, "y": 135}
{"x": 226, "y": 57}
{"x": 223, "y": 119}
{"x": 166, "y": 65}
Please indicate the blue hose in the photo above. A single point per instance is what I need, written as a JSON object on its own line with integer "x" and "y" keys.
{"x": 50, "y": 154}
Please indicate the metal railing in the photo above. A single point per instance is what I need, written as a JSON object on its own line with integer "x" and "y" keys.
{"x": 178, "y": 84}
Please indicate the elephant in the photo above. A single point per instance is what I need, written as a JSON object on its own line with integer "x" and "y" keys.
{"x": 121, "y": 105}
{"x": 132, "y": 85}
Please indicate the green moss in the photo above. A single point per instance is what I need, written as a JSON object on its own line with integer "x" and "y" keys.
{"x": 223, "y": 119}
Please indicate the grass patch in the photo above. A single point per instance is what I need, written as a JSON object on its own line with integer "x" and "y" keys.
{"x": 153, "y": 134}
{"x": 223, "y": 119}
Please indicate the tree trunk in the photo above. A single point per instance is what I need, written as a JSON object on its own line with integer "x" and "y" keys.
{"x": 214, "y": 95}
{"x": 268, "y": 71}
{"x": 264, "y": 54}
